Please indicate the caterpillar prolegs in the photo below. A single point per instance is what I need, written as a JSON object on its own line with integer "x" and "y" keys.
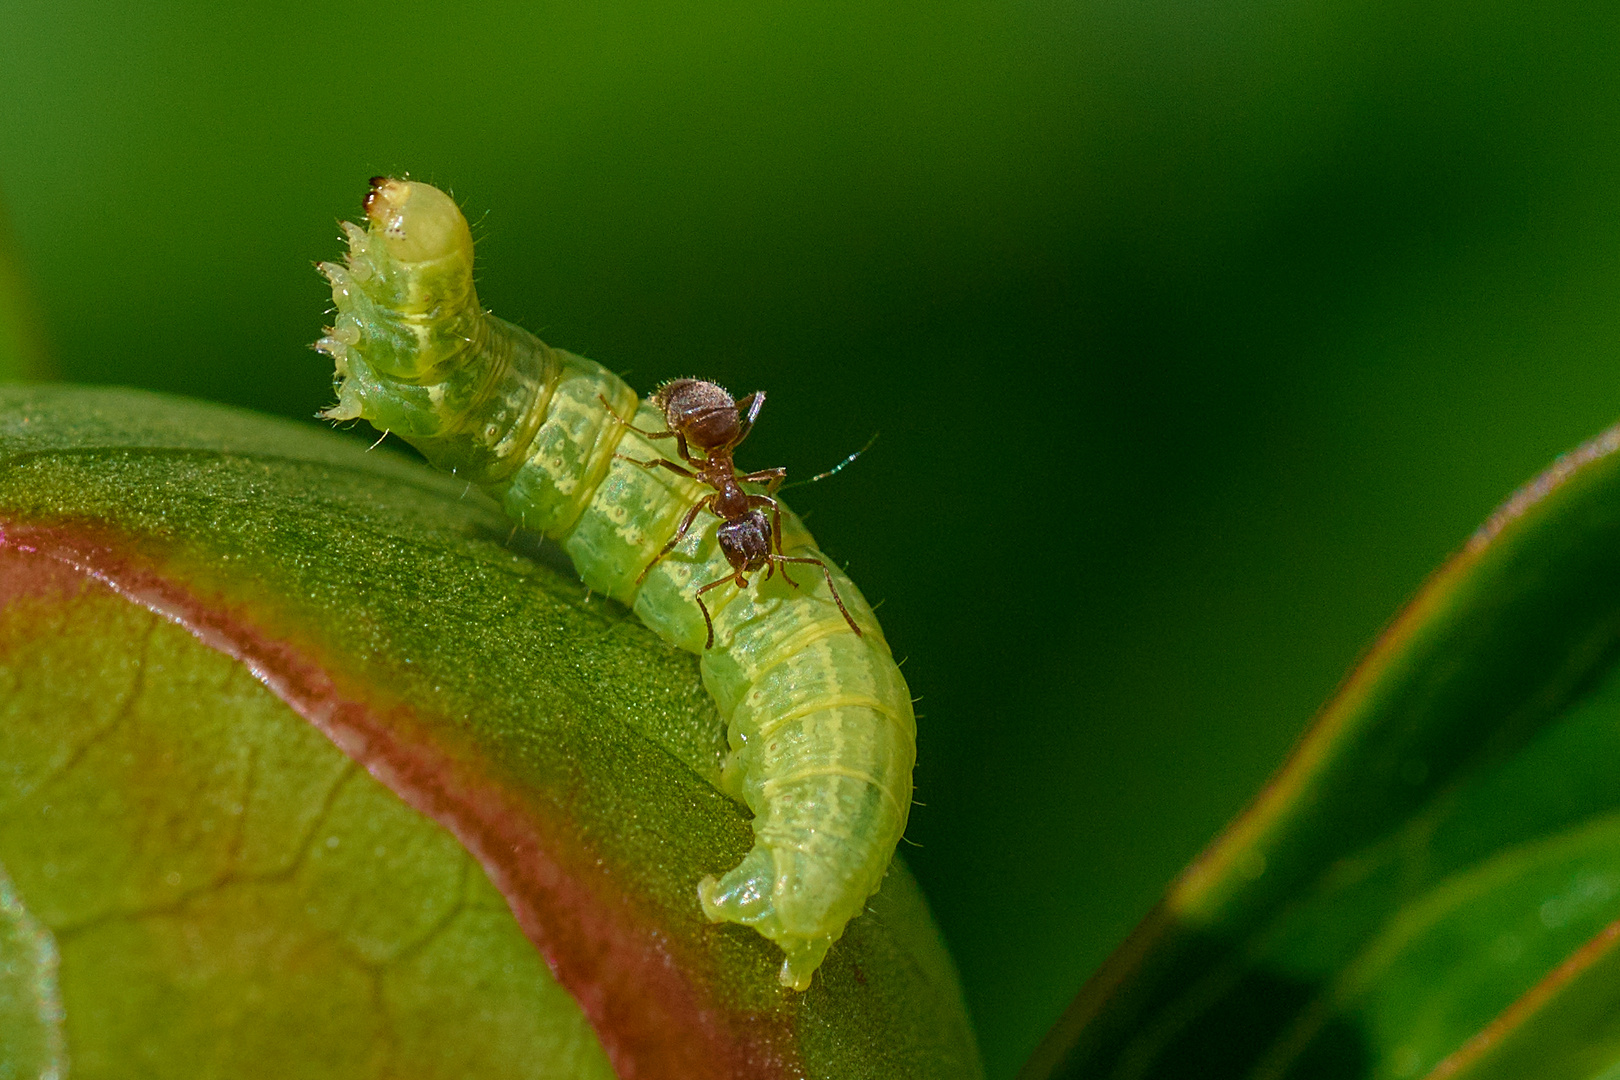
{"x": 818, "y": 719}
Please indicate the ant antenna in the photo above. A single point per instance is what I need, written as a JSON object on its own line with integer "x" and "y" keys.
{"x": 836, "y": 469}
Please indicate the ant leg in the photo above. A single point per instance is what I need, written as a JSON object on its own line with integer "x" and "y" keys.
{"x": 754, "y": 402}
{"x": 707, "y": 621}
{"x": 680, "y": 534}
{"x": 622, "y": 422}
{"x": 658, "y": 463}
{"x": 742, "y": 583}
{"x": 776, "y": 531}
{"x": 771, "y": 478}
{"x": 839, "y": 600}
{"x": 776, "y": 520}
{"x": 783, "y": 569}
{"x": 678, "y": 436}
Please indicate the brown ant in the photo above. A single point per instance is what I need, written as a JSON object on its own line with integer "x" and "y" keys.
{"x": 703, "y": 415}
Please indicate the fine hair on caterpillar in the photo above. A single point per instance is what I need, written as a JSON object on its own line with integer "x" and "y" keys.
{"x": 703, "y": 415}
{"x": 819, "y": 721}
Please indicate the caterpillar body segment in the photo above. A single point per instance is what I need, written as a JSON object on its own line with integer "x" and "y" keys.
{"x": 822, "y": 746}
{"x": 818, "y": 718}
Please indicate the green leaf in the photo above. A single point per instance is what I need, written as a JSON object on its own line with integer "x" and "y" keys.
{"x": 1431, "y": 885}
{"x": 303, "y": 752}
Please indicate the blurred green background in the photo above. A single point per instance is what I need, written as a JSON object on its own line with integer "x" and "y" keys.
{"x": 1196, "y": 333}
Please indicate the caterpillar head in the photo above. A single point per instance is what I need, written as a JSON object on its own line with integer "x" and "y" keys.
{"x": 406, "y": 306}
{"x": 416, "y": 223}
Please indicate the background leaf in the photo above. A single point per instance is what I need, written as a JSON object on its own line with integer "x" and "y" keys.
{"x": 224, "y": 885}
{"x": 1433, "y": 881}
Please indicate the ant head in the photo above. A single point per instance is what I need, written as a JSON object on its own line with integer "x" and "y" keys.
{"x": 702, "y": 411}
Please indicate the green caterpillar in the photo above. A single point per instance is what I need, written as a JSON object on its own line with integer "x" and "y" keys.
{"x": 819, "y": 721}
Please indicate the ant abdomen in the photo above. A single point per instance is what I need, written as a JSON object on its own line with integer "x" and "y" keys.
{"x": 704, "y": 412}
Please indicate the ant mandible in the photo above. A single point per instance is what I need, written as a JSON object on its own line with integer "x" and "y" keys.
{"x": 703, "y": 415}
